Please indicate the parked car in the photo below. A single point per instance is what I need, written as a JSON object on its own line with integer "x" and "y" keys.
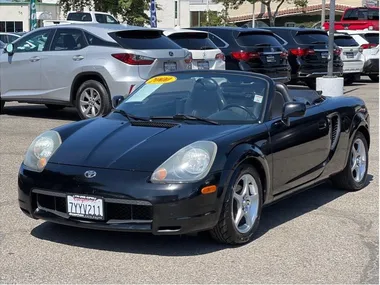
{"x": 369, "y": 41}
{"x": 184, "y": 154}
{"x": 254, "y": 50}
{"x": 357, "y": 18}
{"x": 308, "y": 53}
{"x": 351, "y": 55}
{"x": 84, "y": 17}
{"x": 206, "y": 55}
{"x": 85, "y": 65}
{"x": 8, "y": 37}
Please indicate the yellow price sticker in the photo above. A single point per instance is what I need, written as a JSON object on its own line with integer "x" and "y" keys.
{"x": 163, "y": 79}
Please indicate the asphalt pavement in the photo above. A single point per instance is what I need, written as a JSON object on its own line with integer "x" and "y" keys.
{"x": 322, "y": 235}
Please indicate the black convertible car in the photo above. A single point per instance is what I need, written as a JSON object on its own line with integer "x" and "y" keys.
{"x": 194, "y": 151}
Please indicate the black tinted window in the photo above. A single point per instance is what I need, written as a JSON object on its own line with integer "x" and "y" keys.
{"x": 217, "y": 41}
{"x": 143, "y": 39}
{"x": 312, "y": 38}
{"x": 83, "y": 17}
{"x": 193, "y": 41}
{"x": 68, "y": 39}
{"x": 95, "y": 41}
{"x": 105, "y": 19}
{"x": 345, "y": 41}
{"x": 372, "y": 38}
{"x": 255, "y": 39}
{"x": 361, "y": 14}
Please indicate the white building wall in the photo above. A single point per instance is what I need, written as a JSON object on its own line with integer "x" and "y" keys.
{"x": 166, "y": 16}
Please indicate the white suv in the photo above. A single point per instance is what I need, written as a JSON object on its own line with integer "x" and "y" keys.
{"x": 85, "y": 65}
{"x": 369, "y": 41}
{"x": 206, "y": 55}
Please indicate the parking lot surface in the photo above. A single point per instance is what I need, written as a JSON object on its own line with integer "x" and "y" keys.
{"x": 322, "y": 235}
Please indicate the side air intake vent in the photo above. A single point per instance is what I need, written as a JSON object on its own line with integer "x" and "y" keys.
{"x": 335, "y": 130}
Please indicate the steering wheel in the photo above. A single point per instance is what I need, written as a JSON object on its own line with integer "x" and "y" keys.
{"x": 241, "y": 107}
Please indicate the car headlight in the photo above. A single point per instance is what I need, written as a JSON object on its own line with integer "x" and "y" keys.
{"x": 41, "y": 150}
{"x": 189, "y": 164}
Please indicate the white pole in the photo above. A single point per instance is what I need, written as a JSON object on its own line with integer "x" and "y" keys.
{"x": 207, "y": 12}
{"x": 253, "y": 14}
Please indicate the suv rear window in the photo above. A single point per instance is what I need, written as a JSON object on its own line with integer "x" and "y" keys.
{"x": 256, "y": 38}
{"x": 372, "y": 38}
{"x": 193, "y": 41}
{"x": 345, "y": 41}
{"x": 361, "y": 14}
{"x": 143, "y": 39}
{"x": 79, "y": 16}
{"x": 105, "y": 19}
{"x": 311, "y": 38}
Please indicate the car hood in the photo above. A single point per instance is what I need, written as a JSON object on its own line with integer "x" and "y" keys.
{"x": 115, "y": 144}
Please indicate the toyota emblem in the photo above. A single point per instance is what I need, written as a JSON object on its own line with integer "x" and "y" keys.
{"x": 90, "y": 174}
{"x": 171, "y": 53}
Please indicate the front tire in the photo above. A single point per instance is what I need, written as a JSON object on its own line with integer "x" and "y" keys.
{"x": 354, "y": 175}
{"x": 241, "y": 210}
{"x": 349, "y": 80}
{"x": 2, "y": 103}
{"x": 374, "y": 78}
{"x": 92, "y": 100}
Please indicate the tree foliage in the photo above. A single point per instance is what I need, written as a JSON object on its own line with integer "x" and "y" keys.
{"x": 131, "y": 11}
{"x": 269, "y": 4}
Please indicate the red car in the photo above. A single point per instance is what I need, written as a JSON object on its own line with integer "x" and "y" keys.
{"x": 359, "y": 18}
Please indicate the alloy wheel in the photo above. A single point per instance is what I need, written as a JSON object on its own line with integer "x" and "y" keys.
{"x": 90, "y": 102}
{"x": 358, "y": 160}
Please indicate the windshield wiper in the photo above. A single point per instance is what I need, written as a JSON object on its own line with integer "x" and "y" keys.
{"x": 182, "y": 117}
{"x": 318, "y": 42}
{"x": 262, "y": 45}
{"x": 130, "y": 117}
{"x": 206, "y": 47}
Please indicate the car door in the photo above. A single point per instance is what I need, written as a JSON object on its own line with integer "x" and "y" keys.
{"x": 62, "y": 63}
{"x": 300, "y": 149}
{"x": 20, "y": 73}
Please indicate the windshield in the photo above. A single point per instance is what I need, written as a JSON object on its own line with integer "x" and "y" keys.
{"x": 345, "y": 41}
{"x": 222, "y": 97}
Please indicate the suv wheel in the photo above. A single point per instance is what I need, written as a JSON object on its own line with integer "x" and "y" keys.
{"x": 2, "y": 103}
{"x": 311, "y": 83}
{"x": 92, "y": 100}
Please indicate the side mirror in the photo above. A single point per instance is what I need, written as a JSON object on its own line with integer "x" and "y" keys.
{"x": 9, "y": 48}
{"x": 116, "y": 100}
{"x": 291, "y": 110}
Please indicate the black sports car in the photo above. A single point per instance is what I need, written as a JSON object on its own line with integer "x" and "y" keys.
{"x": 193, "y": 151}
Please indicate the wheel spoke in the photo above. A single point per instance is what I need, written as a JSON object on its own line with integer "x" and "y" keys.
{"x": 92, "y": 93}
{"x": 245, "y": 186}
{"x": 353, "y": 165}
{"x": 238, "y": 198}
{"x": 248, "y": 219}
{"x": 97, "y": 106}
{"x": 84, "y": 103}
{"x": 239, "y": 216}
{"x": 93, "y": 111}
{"x": 97, "y": 97}
{"x": 87, "y": 110}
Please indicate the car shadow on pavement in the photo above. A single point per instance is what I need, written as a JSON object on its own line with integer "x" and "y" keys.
{"x": 186, "y": 245}
{"x": 41, "y": 112}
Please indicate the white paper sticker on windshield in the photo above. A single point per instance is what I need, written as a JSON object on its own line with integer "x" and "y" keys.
{"x": 258, "y": 99}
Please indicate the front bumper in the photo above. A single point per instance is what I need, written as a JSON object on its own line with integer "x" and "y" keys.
{"x": 371, "y": 66}
{"x": 131, "y": 202}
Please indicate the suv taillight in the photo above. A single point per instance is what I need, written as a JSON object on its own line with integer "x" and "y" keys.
{"x": 133, "y": 59}
{"x": 301, "y": 51}
{"x": 189, "y": 58}
{"x": 220, "y": 56}
{"x": 367, "y": 46}
{"x": 244, "y": 55}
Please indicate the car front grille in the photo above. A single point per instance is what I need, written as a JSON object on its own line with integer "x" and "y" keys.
{"x": 114, "y": 209}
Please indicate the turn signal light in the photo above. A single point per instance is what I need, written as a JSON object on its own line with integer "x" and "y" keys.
{"x": 208, "y": 189}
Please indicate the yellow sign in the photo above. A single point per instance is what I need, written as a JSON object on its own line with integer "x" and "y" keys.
{"x": 163, "y": 79}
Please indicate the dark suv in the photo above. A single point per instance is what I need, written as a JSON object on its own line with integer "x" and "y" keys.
{"x": 308, "y": 53}
{"x": 253, "y": 50}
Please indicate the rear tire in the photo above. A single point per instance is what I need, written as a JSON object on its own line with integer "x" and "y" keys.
{"x": 349, "y": 80}
{"x": 354, "y": 175}
{"x": 55, "y": 107}
{"x": 311, "y": 83}
{"x": 374, "y": 78}
{"x": 227, "y": 231}
{"x": 92, "y": 100}
{"x": 2, "y": 103}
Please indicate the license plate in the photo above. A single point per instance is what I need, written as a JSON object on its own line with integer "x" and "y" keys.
{"x": 203, "y": 65}
{"x": 271, "y": 58}
{"x": 170, "y": 66}
{"x": 350, "y": 54}
{"x": 85, "y": 207}
{"x": 325, "y": 54}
